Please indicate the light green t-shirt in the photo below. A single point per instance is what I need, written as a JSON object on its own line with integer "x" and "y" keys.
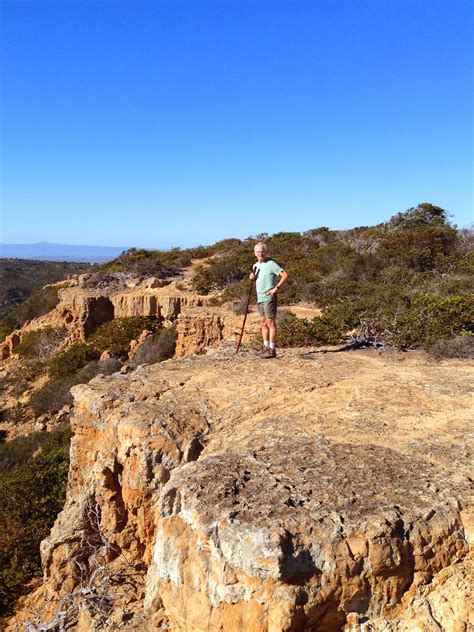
{"x": 268, "y": 273}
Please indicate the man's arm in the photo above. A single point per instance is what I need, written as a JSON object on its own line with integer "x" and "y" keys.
{"x": 281, "y": 281}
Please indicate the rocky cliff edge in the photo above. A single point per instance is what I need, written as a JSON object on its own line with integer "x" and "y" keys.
{"x": 319, "y": 491}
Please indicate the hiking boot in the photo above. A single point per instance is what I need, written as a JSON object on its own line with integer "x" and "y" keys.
{"x": 263, "y": 352}
{"x": 270, "y": 353}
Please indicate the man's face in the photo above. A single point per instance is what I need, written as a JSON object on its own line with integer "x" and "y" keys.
{"x": 260, "y": 253}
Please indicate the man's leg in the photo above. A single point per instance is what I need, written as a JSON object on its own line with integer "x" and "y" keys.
{"x": 272, "y": 332}
{"x": 265, "y": 332}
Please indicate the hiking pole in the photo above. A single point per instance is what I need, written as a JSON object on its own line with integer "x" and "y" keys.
{"x": 246, "y": 310}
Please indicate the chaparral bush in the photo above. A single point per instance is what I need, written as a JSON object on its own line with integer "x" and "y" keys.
{"x": 461, "y": 347}
{"x": 116, "y": 335}
{"x": 70, "y": 360}
{"x": 302, "y": 332}
{"x": 33, "y": 479}
{"x": 431, "y": 318}
{"x": 404, "y": 324}
{"x": 222, "y": 272}
{"x": 39, "y": 344}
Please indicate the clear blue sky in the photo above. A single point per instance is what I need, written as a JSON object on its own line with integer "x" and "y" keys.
{"x": 165, "y": 123}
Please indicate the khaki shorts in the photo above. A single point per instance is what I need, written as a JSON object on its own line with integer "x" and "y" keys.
{"x": 268, "y": 308}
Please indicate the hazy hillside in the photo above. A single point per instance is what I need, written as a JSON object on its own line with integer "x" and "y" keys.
{"x": 20, "y": 277}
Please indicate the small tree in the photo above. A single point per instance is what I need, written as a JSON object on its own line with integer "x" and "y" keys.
{"x": 72, "y": 359}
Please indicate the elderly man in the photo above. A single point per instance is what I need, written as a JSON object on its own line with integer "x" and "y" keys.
{"x": 269, "y": 276}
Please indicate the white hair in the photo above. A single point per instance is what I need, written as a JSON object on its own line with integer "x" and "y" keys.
{"x": 261, "y": 246}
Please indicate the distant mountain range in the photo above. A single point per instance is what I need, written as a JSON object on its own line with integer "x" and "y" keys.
{"x": 45, "y": 251}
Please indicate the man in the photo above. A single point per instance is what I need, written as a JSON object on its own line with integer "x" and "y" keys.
{"x": 270, "y": 277}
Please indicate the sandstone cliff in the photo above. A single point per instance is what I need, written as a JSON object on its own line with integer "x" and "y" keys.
{"x": 317, "y": 492}
{"x": 80, "y": 311}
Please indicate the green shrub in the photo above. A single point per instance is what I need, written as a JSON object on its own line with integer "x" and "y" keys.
{"x": 431, "y": 318}
{"x": 466, "y": 263}
{"x": 67, "y": 362}
{"x": 402, "y": 323}
{"x": 32, "y": 493}
{"x": 296, "y": 332}
{"x": 222, "y": 272}
{"x": 40, "y": 343}
{"x": 116, "y": 335}
{"x": 301, "y": 332}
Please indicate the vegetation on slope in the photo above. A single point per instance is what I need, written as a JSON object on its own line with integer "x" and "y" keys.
{"x": 40, "y": 302}
{"x": 19, "y": 278}
{"x": 33, "y": 479}
{"x": 116, "y": 335}
{"x": 79, "y": 362}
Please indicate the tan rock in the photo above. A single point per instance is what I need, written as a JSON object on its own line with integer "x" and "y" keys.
{"x": 82, "y": 279}
{"x": 233, "y": 498}
{"x": 154, "y": 282}
{"x": 136, "y": 344}
{"x": 10, "y": 343}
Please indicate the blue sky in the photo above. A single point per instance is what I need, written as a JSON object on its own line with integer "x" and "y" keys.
{"x": 166, "y": 123}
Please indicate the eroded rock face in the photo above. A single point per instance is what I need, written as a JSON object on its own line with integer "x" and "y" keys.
{"x": 8, "y": 345}
{"x": 303, "y": 531}
{"x": 313, "y": 492}
{"x": 199, "y": 325}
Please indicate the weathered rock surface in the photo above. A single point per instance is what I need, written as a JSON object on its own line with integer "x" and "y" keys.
{"x": 319, "y": 491}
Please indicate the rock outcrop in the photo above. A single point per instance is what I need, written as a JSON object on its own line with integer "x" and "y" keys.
{"x": 315, "y": 492}
{"x": 200, "y": 325}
